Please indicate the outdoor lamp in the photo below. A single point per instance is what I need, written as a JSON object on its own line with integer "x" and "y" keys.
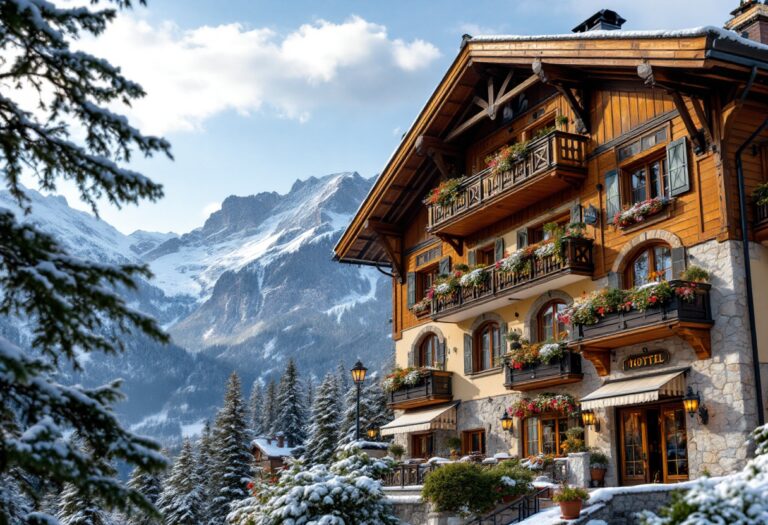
{"x": 692, "y": 404}
{"x": 589, "y": 419}
{"x": 358, "y": 373}
{"x": 372, "y": 432}
{"x": 506, "y": 422}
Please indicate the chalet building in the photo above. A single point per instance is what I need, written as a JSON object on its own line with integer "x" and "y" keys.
{"x": 544, "y": 170}
{"x": 271, "y": 453}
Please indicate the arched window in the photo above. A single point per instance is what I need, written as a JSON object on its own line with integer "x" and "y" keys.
{"x": 428, "y": 351}
{"x": 651, "y": 263}
{"x": 487, "y": 345}
{"x": 549, "y": 326}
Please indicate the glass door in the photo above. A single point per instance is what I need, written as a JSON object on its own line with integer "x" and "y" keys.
{"x": 674, "y": 444}
{"x": 634, "y": 456}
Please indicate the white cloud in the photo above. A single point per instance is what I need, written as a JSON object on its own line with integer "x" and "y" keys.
{"x": 210, "y": 208}
{"x": 193, "y": 75}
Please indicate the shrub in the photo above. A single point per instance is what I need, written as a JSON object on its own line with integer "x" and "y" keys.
{"x": 598, "y": 459}
{"x": 462, "y": 488}
{"x": 568, "y": 493}
{"x": 396, "y": 450}
{"x": 453, "y": 443}
{"x": 695, "y": 274}
{"x": 512, "y": 479}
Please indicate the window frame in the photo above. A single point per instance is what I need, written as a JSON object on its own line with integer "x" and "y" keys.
{"x": 466, "y": 439}
{"x": 540, "y": 324}
{"x": 626, "y": 172}
{"x": 477, "y": 347}
{"x": 569, "y": 421}
{"x": 650, "y": 249}
{"x": 429, "y": 338}
{"x": 422, "y": 285}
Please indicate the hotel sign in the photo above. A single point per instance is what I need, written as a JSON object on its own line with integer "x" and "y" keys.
{"x": 646, "y": 360}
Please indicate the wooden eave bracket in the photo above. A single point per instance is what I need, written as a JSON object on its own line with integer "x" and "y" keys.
{"x": 437, "y": 151}
{"x": 457, "y": 243}
{"x": 562, "y": 79}
{"x": 391, "y": 241}
{"x": 600, "y": 358}
{"x": 699, "y": 339}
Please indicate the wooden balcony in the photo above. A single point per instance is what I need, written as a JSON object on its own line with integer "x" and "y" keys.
{"x": 548, "y": 273}
{"x": 690, "y": 321}
{"x": 565, "y": 370}
{"x": 761, "y": 223}
{"x": 434, "y": 387}
{"x": 553, "y": 163}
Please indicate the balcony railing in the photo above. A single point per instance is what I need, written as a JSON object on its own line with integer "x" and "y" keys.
{"x": 691, "y": 321}
{"x": 576, "y": 261}
{"x": 435, "y": 386}
{"x": 559, "y": 154}
{"x": 565, "y": 370}
{"x": 761, "y": 222}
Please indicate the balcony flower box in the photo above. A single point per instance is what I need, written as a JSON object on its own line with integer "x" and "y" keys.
{"x": 563, "y": 370}
{"x": 417, "y": 387}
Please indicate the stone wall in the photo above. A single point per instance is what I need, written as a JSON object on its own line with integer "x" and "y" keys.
{"x": 622, "y": 508}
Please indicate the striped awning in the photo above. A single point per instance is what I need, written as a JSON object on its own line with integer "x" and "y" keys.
{"x": 439, "y": 418}
{"x": 631, "y": 391}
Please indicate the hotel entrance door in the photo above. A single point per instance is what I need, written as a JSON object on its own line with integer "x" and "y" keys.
{"x": 653, "y": 444}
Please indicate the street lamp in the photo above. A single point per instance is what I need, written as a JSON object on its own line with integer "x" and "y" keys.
{"x": 358, "y": 376}
{"x": 372, "y": 433}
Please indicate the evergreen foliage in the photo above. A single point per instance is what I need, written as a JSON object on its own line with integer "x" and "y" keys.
{"x": 149, "y": 485}
{"x": 256, "y": 409}
{"x": 78, "y": 508}
{"x": 206, "y": 463}
{"x": 231, "y": 470}
{"x": 269, "y": 414}
{"x": 324, "y": 428}
{"x": 374, "y": 411}
{"x": 181, "y": 500}
{"x": 291, "y": 410}
{"x": 69, "y": 305}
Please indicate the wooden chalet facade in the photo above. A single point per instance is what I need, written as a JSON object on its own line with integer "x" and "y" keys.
{"x": 599, "y": 121}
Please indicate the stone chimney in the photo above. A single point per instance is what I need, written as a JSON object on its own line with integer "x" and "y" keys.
{"x": 750, "y": 20}
{"x": 280, "y": 440}
{"x": 603, "y": 20}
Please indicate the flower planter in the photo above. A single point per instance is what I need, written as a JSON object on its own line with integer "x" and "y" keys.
{"x": 597, "y": 474}
{"x": 570, "y": 510}
{"x": 561, "y": 371}
{"x": 435, "y": 386}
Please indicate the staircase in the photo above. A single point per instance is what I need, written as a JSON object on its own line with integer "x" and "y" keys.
{"x": 516, "y": 511}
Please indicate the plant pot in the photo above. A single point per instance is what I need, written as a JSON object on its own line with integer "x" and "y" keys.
{"x": 508, "y": 499}
{"x": 597, "y": 474}
{"x": 570, "y": 510}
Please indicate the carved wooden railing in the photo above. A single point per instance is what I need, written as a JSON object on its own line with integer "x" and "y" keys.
{"x": 434, "y": 386}
{"x": 556, "y": 150}
{"x": 567, "y": 369}
{"x": 576, "y": 258}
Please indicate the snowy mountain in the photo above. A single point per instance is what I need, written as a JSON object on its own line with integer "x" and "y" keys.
{"x": 253, "y": 286}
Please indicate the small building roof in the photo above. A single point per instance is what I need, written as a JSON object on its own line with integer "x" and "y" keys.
{"x": 271, "y": 449}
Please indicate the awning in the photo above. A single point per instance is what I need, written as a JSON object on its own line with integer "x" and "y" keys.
{"x": 636, "y": 390}
{"x": 439, "y": 418}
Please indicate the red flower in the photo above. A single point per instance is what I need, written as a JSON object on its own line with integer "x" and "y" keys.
{"x": 250, "y": 485}
{"x": 652, "y": 299}
{"x": 601, "y": 311}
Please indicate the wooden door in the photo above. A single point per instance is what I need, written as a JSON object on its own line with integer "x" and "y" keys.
{"x": 634, "y": 447}
{"x": 674, "y": 439}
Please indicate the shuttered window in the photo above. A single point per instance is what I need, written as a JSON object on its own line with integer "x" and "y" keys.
{"x": 677, "y": 158}
{"x": 612, "y": 194}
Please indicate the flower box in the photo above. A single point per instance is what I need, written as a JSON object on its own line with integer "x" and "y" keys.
{"x": 433, "y": 386}
{"x": 638, "y": 214}
{"x": 565, "y": 370}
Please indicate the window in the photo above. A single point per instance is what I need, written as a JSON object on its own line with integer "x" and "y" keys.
{"x": 426, "y": 278}
{"x": 422, "y": 445}
{"x": 647, "y": 181}
{"x": 548, "y": 324}
{"x": 642, "y": 144}
{"x": 428, "y": 351}
{"x": 652, "y": 263}
{"x": 487, "y": 344}
{"x": 486, "y": 255}
{"x": 545, "y": 434}
{"x": 473, "y": 442}
{"x": 538, "y": 234}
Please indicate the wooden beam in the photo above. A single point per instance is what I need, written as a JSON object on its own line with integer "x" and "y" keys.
{"x": 457, "y": 243}
{"x": 698, "y": 109}
{"x": 698, "y": 338}
{"x": 560, "y": 78}
{"x": 384, "y": 235}
{"x": 498, "y": 102}
{"x": 601, "y": 359}
{"x": 699, "y": 143}
{"x": 381, "y": 228}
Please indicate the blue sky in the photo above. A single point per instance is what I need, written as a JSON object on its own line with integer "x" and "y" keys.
{"x": 254, "y": 94}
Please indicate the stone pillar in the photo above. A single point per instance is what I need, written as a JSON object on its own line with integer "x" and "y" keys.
{"x": 578, "y": 469}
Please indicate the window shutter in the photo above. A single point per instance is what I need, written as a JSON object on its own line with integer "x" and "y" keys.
{"x": 411, "y": 288}
{"x": 576, "y": 213}
{"x": 468, "y": 368}
{"x": 502, "y": 349}
{"x": 677, "y": 162}
{"x": 678, "y": 261}
{"x": 441, "y": 353}
{"x": 411, "y": 358}
{"x": 613, "y": 280}
{"x": 472, "y": 258}
{"x": 612, "y": 195}
{"x": 522, "y": 239}
{"x": 445, "y": 266}
{"x": 498, "y": 250}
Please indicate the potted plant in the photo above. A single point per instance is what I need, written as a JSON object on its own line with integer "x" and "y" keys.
{"x": 695, "y": 274}
{"x": 574, "y": 441}
{"x": 512, "y": 480}
{"x": 454, "y": 446}
{"x": 562, "y": 121}
{"x": 397, "y": 451}
{"x": 570, "y": 500}
{"x": 598, "y": 465}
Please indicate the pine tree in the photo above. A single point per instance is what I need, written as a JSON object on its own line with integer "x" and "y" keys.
{"x": 379, "y": 412}
{"x": 269, "y": 414}
{"x": 256, "y": 407}
{"x": 291, "y": 409}
{"x": 374, "y": 411}
{"x": 231, "y": 470}
{"x": 69, "y": 305}
{"x": 206, "y": 463}
{"x": 310, "y": 389}
{"x": 13, "y": 501}
{"x": 149, "y": 485}
{"x": 324, "y": 430}
{"x": 76, "y": 508}
{"x": 349, "y": 415}
{"x": 181, "y": 500}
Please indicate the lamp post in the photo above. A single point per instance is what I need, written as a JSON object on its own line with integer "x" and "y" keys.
{"x": 358, "y": 376}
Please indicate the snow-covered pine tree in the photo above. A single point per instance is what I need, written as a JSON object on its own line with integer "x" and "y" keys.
{"x": 76, "y": 508}
{"x": 269, "y": 414}
{"x": 69, "y": 305}
{"x": 291, "y": 409}
{"x": 180, "y": 502}
{"x": 374, "y": 411}
{"x": 231, "y": 470}
{"x": 376, "y": 400}
{"x": 150, "y": 485}
{"x": 206, "y": 463}
{"x": 256, "y": 408}
{"x": 15, "y": 504}
{"x": 324, "y": 430}
{"x": 310, "y": 389}
{"x": 348, "y": 417}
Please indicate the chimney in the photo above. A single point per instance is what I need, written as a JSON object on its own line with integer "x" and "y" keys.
{"x": 603, "y": 20}
{"x": 750, "y": 20}
{"x": 280, "y": 440}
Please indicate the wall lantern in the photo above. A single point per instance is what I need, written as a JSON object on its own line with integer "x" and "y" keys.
{"x": 692, "y": 404}
{"x": 507, "y": 422}
{"x": 372, "y": 433}
{"x": 589, "y": 419}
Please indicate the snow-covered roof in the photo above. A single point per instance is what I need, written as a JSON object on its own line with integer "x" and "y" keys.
{"x": 271, "y": 449}
{"x": 627, "y": 35}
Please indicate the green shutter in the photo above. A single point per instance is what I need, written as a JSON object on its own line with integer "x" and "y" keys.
{"x": 613, "y": 280}
{"x": 411, "y": 288}
{"x": 472, "y": 258}
{"x": 576, "y": 213}
{"x": 411, "y": 358}
{"x": 468, "y": 368}
{"x": 522, "y": 239}
{"x": 678, "y": 261}
{"x": 612, "y": 195}
{"x": 677, "y": 162}
{"x": 501, "y": 350}
{"x": 498, "y": 249}
{"x": 441, "y": 353}
{"x": 444, "y": 266}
